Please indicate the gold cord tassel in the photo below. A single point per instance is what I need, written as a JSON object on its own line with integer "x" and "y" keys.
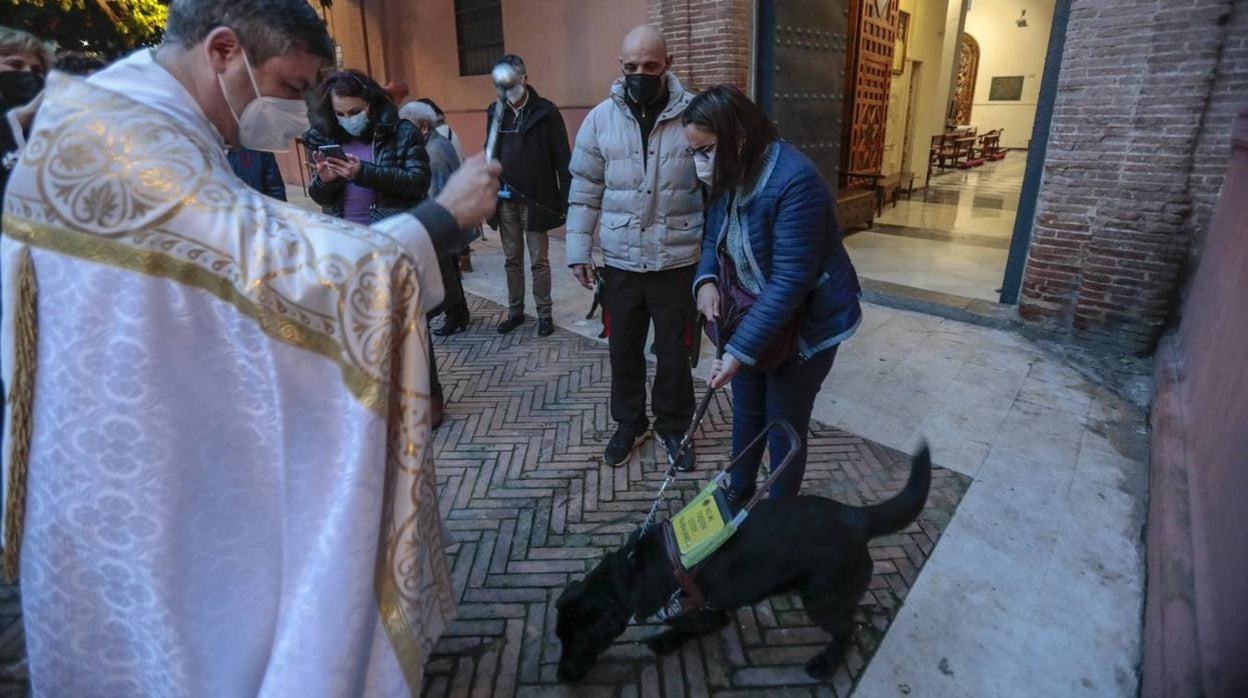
{"x": 21, "y": 401}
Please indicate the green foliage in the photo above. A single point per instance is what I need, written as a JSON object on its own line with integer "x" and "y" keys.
{"x": 109, "y": 28}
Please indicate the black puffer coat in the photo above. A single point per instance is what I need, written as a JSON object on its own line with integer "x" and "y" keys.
{"x": 399, "y": 172}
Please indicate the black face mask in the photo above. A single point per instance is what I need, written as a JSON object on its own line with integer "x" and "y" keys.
{"x": 18, "y": 87}
{"x": 642, "y": 89}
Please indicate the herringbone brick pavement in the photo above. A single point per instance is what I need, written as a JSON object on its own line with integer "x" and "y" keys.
{"x": 532, "y": 508}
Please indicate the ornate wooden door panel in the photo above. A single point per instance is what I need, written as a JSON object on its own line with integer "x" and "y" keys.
{"x": 968, "y": 68}
{"x": 800, "y": 75}
{"x": 873, "y": 31}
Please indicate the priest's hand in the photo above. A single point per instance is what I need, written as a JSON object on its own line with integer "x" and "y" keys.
{"x": 471, "y": 194}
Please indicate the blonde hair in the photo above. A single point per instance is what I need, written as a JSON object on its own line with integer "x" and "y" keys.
{"x": 16, "y": 41}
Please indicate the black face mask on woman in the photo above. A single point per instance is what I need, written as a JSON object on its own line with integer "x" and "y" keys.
{"x": 642, "y": 89}
{"x": 18, "y": 87}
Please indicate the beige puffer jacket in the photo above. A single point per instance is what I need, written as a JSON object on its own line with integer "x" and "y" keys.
{"x": 646, "y": 220}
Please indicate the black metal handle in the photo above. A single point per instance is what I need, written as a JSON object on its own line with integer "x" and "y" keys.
{"x": 795, "y": 445}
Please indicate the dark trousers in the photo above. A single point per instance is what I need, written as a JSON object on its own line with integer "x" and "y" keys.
{"x": 633, "y": 300}
{"x": 757, "y": 398}
{"x": 455, "y": 305}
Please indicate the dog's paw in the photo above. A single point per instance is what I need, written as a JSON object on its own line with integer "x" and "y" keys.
{"x": 819, "y": 666}
{"x": 664, "y": 643}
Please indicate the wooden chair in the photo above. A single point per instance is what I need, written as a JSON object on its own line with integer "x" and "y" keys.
{"x": 941, "y": 155}
{"x": 964, "y": 153}
{"x": 990, "y": 145}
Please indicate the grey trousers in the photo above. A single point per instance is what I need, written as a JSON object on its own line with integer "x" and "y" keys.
{"x": 512, "y": 220}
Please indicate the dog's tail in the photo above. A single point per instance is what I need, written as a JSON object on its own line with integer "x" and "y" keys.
{"x": 896, "y": 513}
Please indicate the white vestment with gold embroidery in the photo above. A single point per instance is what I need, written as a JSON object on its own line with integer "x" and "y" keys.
{"x": 229, "y": 489}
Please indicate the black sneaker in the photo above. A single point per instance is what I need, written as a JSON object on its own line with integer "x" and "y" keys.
{"x": 626, "y": 440}
{"x": 687, "y": 460}
{"x": 738, "y": 498}
{"x": 511, "y": 323}
{"x": 545, "y": 327}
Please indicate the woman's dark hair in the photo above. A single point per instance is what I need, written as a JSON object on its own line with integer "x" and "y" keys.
{"x": 349, "y": 83}
{"x": 742, "y": 134}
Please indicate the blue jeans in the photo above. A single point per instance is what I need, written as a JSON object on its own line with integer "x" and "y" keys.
{"x": 786, "y": 393}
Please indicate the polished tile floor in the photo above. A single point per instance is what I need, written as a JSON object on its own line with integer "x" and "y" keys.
{"x": 952, "y": 237}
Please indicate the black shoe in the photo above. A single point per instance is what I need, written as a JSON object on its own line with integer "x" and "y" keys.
{"x": 511, "y": 323}
{"x": 451, "y": 326}
{"x": 626, "y": 440}
{"x": 687, "y": 460}
{"x": 738, "y": 498}
{"x": 545, "y": 327}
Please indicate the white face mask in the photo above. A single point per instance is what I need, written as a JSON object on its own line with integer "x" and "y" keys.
{"x": 267, "y": 123}
{"x": 354, "y": 124}
{"x": 515, "y": 94}
{"x": 705, "y": 167}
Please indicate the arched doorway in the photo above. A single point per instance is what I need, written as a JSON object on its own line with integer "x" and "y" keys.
{"x": 968, "y": 68}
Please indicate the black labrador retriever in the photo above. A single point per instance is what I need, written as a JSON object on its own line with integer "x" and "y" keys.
{"x": 812, "y": 545}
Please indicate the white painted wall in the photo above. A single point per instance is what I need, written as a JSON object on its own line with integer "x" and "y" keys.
{"x": 1006, "y": 49}
{"x": 929, "y": 27}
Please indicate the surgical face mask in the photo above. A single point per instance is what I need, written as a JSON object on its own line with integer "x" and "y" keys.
{"x": 18, "y": 87}
{"x": 705, "y": 167}
{"x": 355, "y": 124}
{"x": 515, "y": 94}
{"x": 267, "y": 123}
{"x": 642, "y": 89}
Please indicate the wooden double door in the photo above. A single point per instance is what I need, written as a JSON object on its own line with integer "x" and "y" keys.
{"x": 824, "y": 73}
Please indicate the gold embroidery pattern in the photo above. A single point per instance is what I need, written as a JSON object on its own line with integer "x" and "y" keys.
{"x": 112, "y": 179}
{"x": 109, "y": 175}
{"x": 21, "y": 402}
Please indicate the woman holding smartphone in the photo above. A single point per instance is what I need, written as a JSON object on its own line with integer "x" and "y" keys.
{"x": 368, "y": 163}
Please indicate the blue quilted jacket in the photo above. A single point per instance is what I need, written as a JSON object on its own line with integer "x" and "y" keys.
{"x": 795, "y": 249}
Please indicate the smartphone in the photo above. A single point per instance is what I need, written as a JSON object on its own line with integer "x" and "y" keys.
{"x": 333, "y": 150}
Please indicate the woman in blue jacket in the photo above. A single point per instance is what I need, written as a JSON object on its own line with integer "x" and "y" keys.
{"x": 771, "y": 220}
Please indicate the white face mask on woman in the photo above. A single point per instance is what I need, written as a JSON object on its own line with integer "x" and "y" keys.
{"x": 704, "y": 164}
{"x": 267, "y": 123}
{"x": 354, "y": 124}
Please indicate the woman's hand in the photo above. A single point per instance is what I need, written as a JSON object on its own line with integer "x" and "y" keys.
{"x": 708, "y": 300}
{"x": 722, "y": 371}
{"x": 324, "y": 171}
{"x": 347, "y": 169}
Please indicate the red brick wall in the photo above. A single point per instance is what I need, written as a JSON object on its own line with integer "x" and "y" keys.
{"x": 1195, "y": 610}
{"x": 709, "y": 39}
{"x": 1139, "y": 142}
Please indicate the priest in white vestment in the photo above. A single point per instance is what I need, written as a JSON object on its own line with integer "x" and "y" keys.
{"x": 217, "y": 468}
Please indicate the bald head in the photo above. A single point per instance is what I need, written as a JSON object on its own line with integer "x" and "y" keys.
{"x": 644, "y": 51}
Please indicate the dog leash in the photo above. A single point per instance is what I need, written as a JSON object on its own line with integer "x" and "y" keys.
{"x": 685, "y": 441}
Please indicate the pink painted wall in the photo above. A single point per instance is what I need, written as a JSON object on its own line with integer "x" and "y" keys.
{"x": 571, "y": 49}
{"x": 1196, "y": 610}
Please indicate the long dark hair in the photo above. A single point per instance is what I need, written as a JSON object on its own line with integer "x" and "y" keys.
{"x": 349, "y": 83}
{"x": 742, "y": 134}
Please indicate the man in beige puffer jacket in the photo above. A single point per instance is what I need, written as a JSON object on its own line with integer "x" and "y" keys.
{"x": 635, "y": 188}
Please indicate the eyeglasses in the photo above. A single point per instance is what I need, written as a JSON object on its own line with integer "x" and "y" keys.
{"x": 703, "y": 151}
